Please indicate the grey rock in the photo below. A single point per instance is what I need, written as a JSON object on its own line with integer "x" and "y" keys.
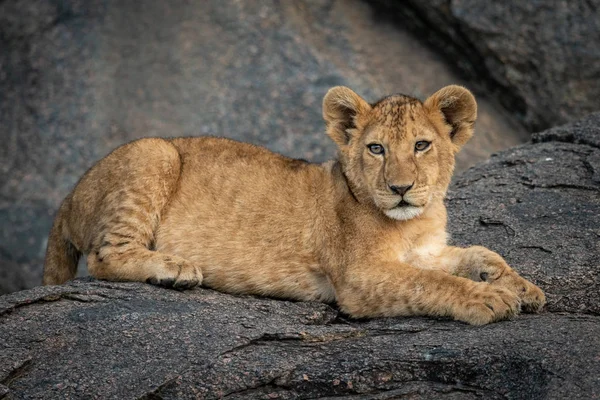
{"x": 585, "y": 131}
{"x": 542, "y": 58}
{"x": 92, "y": 339}
{"x": 81, "y": 77}
{"x": 537, "y": 204}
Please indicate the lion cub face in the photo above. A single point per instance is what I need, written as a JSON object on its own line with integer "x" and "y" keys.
{"x": 401, "y": 156}
{"x": 398, "y": 153}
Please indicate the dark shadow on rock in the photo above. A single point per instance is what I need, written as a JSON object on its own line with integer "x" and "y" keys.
{"x": 540, "y": 58}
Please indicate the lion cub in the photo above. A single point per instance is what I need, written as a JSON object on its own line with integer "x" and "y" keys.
{"x": 367, "y": 230}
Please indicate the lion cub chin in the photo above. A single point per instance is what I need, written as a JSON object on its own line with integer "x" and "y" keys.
{"x": 404, "y": 213}
{"x": 367, "y": 230}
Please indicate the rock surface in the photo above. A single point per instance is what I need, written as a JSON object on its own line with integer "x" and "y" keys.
{"x": 537, "y": 204}
{"x": 80, "y": 77}
{"x": 542, "y": 58}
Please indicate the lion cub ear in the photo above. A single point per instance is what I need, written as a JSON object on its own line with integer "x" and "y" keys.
{"x": 458, "y": 108}
{"x": 342, "y": 111}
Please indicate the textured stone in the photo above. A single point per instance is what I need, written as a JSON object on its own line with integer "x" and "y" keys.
{"x": 542, "y": 58}
{"x": 537, "y": 204}
{"x": 130, "y": 341}
{"x": 80, "y": 77}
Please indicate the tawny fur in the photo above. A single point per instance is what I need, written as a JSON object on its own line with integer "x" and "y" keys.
{"x": 241, "y": 219}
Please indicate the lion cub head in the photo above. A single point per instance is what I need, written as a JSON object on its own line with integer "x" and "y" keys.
{"x": 398, "y": 153}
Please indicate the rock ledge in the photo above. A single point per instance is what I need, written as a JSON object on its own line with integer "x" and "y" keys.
{"x": 537, "y": 204}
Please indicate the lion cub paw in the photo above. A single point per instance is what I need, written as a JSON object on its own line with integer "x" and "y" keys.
{"x": 487, "y": 304}
{"x": 177, "y": 273}
{"x": 532, "y": 298}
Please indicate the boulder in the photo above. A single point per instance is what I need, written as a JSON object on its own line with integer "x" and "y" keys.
{"x": 80, "y": 77}
{"x": 541, "y": 58}
{"x": 537, "y": 204}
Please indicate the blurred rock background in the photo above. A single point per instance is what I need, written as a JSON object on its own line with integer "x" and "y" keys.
{"x": 80, "y": 77}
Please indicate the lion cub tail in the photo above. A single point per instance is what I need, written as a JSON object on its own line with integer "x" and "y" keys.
{"x": 61, "y": 255}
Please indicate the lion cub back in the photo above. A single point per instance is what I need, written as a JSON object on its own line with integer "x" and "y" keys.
{"x": 246, "y": 217}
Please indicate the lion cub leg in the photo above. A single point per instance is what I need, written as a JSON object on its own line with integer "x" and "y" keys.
{"x": 398, "y": 289}
{"x": 143, "y": 178}
{"x": 483, "y": 265}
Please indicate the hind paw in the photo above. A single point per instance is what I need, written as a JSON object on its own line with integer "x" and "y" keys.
{"x": 176, "y": 273}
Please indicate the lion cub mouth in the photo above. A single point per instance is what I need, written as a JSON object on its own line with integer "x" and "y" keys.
{"x": 403, "y": 203}
{"x": 404, "y": 211}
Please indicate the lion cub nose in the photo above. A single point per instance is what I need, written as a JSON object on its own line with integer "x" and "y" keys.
{"x": 401, "y": 190}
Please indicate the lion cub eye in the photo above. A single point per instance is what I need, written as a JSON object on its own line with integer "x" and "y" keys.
{"x": 422, "y": 145}
{"x": 376, "y": 148}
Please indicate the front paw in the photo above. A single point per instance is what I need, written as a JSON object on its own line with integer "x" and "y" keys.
{"x": 532, "y": 298}
{"x": 486, "y": 303}
{"x": 496, "y": 272}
